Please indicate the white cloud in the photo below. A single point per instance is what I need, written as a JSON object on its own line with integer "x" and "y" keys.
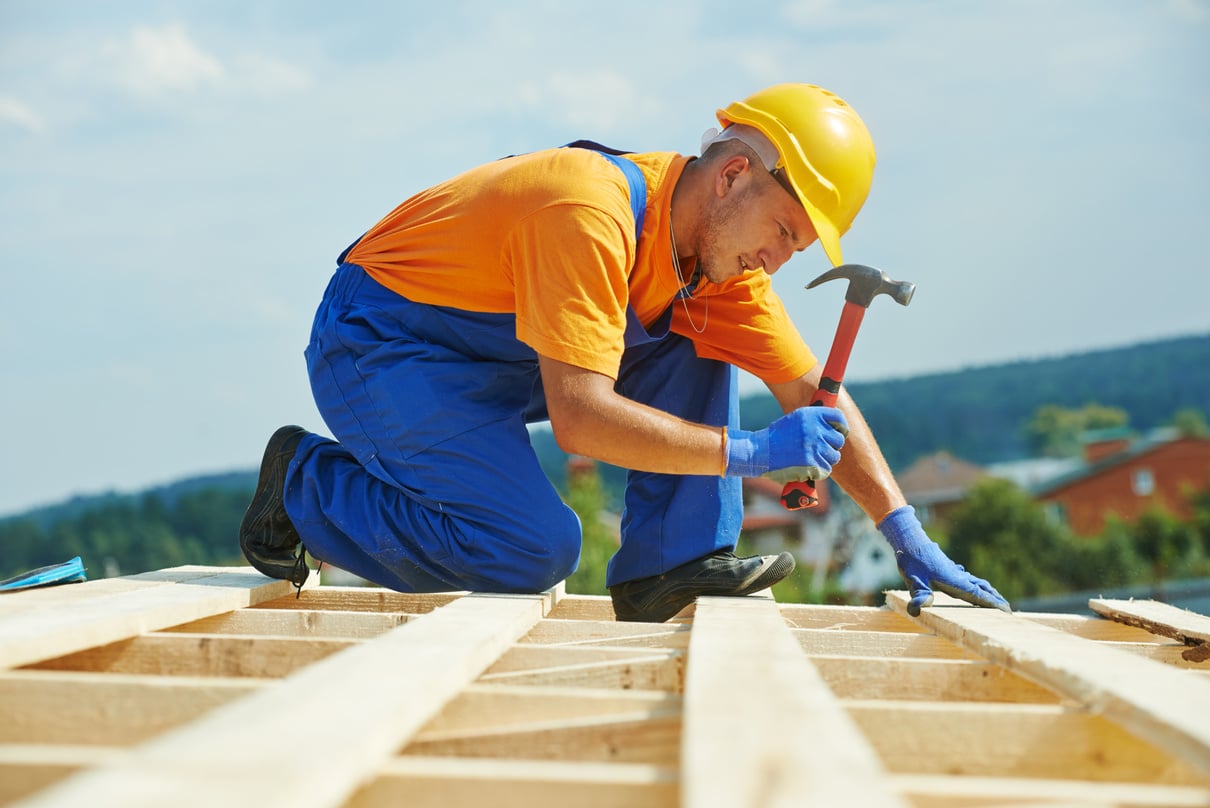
{"x": 1193, "y": 11}
{"x": 595, "y": 99}
{"x": 159, "y": 60}
{"x": 14, "y": 112}
{"x": 265, "y": 76}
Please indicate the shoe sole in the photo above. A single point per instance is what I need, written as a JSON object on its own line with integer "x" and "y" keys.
{"x": 264, "y": 502}
{"x": 769, "y": 574}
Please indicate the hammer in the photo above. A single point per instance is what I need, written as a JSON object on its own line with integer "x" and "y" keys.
{"x": 865, "y": 283}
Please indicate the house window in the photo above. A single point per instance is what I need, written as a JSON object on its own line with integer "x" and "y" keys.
{"x": 1142, "y": 481}
{"x": 1056, "y": 512}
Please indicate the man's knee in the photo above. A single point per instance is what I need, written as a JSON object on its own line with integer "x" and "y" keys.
{"x": 552, "y": 557}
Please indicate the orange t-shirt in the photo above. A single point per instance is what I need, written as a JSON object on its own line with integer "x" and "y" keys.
{"x": 549, "y": 237}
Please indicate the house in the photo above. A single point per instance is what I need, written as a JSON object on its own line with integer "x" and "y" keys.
{"x": 834, "y": 536}
{"x": 934, "y": 485}
{"x": 1125, "y": 478}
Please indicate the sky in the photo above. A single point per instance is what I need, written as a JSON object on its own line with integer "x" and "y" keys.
{"x": 177, "y": 178}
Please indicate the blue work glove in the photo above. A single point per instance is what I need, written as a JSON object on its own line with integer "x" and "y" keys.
{"x": 801, "y": 445}
{"x": 925, "y": 567}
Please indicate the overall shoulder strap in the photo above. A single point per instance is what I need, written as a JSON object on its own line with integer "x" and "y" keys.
{"x": 634, "y": 179}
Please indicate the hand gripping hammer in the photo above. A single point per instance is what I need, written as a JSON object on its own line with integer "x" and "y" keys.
{"x": 865, "y": 283}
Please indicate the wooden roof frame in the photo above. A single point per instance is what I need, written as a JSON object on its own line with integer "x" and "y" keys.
{"x": 216, "y": 686}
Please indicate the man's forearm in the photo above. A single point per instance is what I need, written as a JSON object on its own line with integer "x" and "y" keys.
{"x": 862, "y": 471}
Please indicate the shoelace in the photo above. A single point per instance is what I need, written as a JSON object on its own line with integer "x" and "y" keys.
{"x": 298, "y": 575}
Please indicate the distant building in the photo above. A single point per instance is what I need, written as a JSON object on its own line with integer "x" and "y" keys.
{"x": 834, "y": 536}
{"x": 1123, "y": 477}
{"x": 934, "y": 485}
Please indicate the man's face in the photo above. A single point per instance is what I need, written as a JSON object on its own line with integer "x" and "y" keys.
{"x": 756, "y": 223}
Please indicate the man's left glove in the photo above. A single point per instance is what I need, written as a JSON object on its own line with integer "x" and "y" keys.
{"x": 925, "y": 566}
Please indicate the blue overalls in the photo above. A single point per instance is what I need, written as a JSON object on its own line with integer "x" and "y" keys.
{"x": 434, "y": 486}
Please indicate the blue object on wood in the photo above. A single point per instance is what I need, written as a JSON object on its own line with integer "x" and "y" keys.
{"x": 69, "y": 572}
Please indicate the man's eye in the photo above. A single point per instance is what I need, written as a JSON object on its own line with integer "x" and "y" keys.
{"x": 783, "y": 230}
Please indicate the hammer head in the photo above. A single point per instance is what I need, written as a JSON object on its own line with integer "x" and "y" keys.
{"x": 866, "y": 283}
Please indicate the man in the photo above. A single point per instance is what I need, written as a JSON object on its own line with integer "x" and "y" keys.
{"x": 614, "y": 295}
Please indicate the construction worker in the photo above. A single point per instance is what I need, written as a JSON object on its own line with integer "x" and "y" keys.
{"x": 615, "y": 296}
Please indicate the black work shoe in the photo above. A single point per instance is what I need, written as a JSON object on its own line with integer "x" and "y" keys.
{"x": 266, "y": 535}
{"x": 655, "y": 599}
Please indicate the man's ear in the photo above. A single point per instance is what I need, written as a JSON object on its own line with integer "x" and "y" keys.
{"x": 731, "y": 170}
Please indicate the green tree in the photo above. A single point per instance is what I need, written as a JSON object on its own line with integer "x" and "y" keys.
{"x": 1100, "y": 562}
{"x": 1191, "y": 423}
{"x": 1005, "y": 537}
{"x": 586, "y": 496}
{"x": 1166, "y": 544}
{"x": 1055, "y": 431}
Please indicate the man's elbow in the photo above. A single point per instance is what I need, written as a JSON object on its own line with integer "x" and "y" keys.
{"x": 570, "y": 434}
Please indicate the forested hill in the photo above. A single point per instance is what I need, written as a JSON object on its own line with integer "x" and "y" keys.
{"x": 979, "y": 414}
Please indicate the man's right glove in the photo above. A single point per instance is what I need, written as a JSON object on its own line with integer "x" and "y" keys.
{"x": 803, "y": 444}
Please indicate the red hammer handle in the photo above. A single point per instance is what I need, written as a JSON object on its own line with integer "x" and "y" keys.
{"x": 801, "y": 494}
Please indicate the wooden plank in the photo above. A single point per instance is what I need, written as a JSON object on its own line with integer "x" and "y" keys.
{"x": 764, "y": 747}
{"x": 482, "y": 709}
{"x": 880, "y": 644}
{"x": 442, "y": 782}
{"x": 941, "y": 791}
{"x": 111, "y": 709}
{"x": 36, "y": 628}
{"x": 374, "y": 696}
{"x": 363, "y": 599}
{"x": 846, "y": 618}
{"x": 1014, "y": 740}
{"x": 1159, "y": 703}
{"x": 1170, "y": 653}
{"x": 1091, "y": 628}
{"x": 528, "y": 656}
{"x": 28, "y": 768}
{"x": 597, "y": 632}
{"x": 637, "y": 673}
{"x": 1188, "y": 627}
{"x": 296, "y": 623}
{"x": 179, "y": 654}
{"x": 584, "y": 607}
{"x": 928, "y": 680}
{"x": 651, "y": 738}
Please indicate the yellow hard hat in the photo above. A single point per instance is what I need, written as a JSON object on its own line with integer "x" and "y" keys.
{"x": 825, "y": 150}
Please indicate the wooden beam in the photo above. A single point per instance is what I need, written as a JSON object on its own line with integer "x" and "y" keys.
{"x": 484, "y": 709}
{"x": 41, "y": 624}
{"x": 941, "y": 791}
{"x": 755, "y": 713}
{"x": 363, "y": 599}
{"x": 928, "y": 680}
{"x": 297, "y": 623}
{"x": 598, "y": 632}
{"x": 1091, "y": 628}
{"x": 1014, "y": 740}
{"x": 1175, "y": 654}
{"x": 642, "y": 737}
{"x": 1159, "y": 703}
{"x": 111, "y": 709}
{"x": 266, "y": 750}
{"x": 1182, "y": 625}
{"x": 644, "y": 671}
{"x": 530, "y": 656}
{"x": 846, "y": 618}
{"x": 180, "y": 654}
{"x": 441, "y": 782}
{"x": 26, "y": 769}
{"x": 584, "y": 607}
{"x": 880, "y": 644}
